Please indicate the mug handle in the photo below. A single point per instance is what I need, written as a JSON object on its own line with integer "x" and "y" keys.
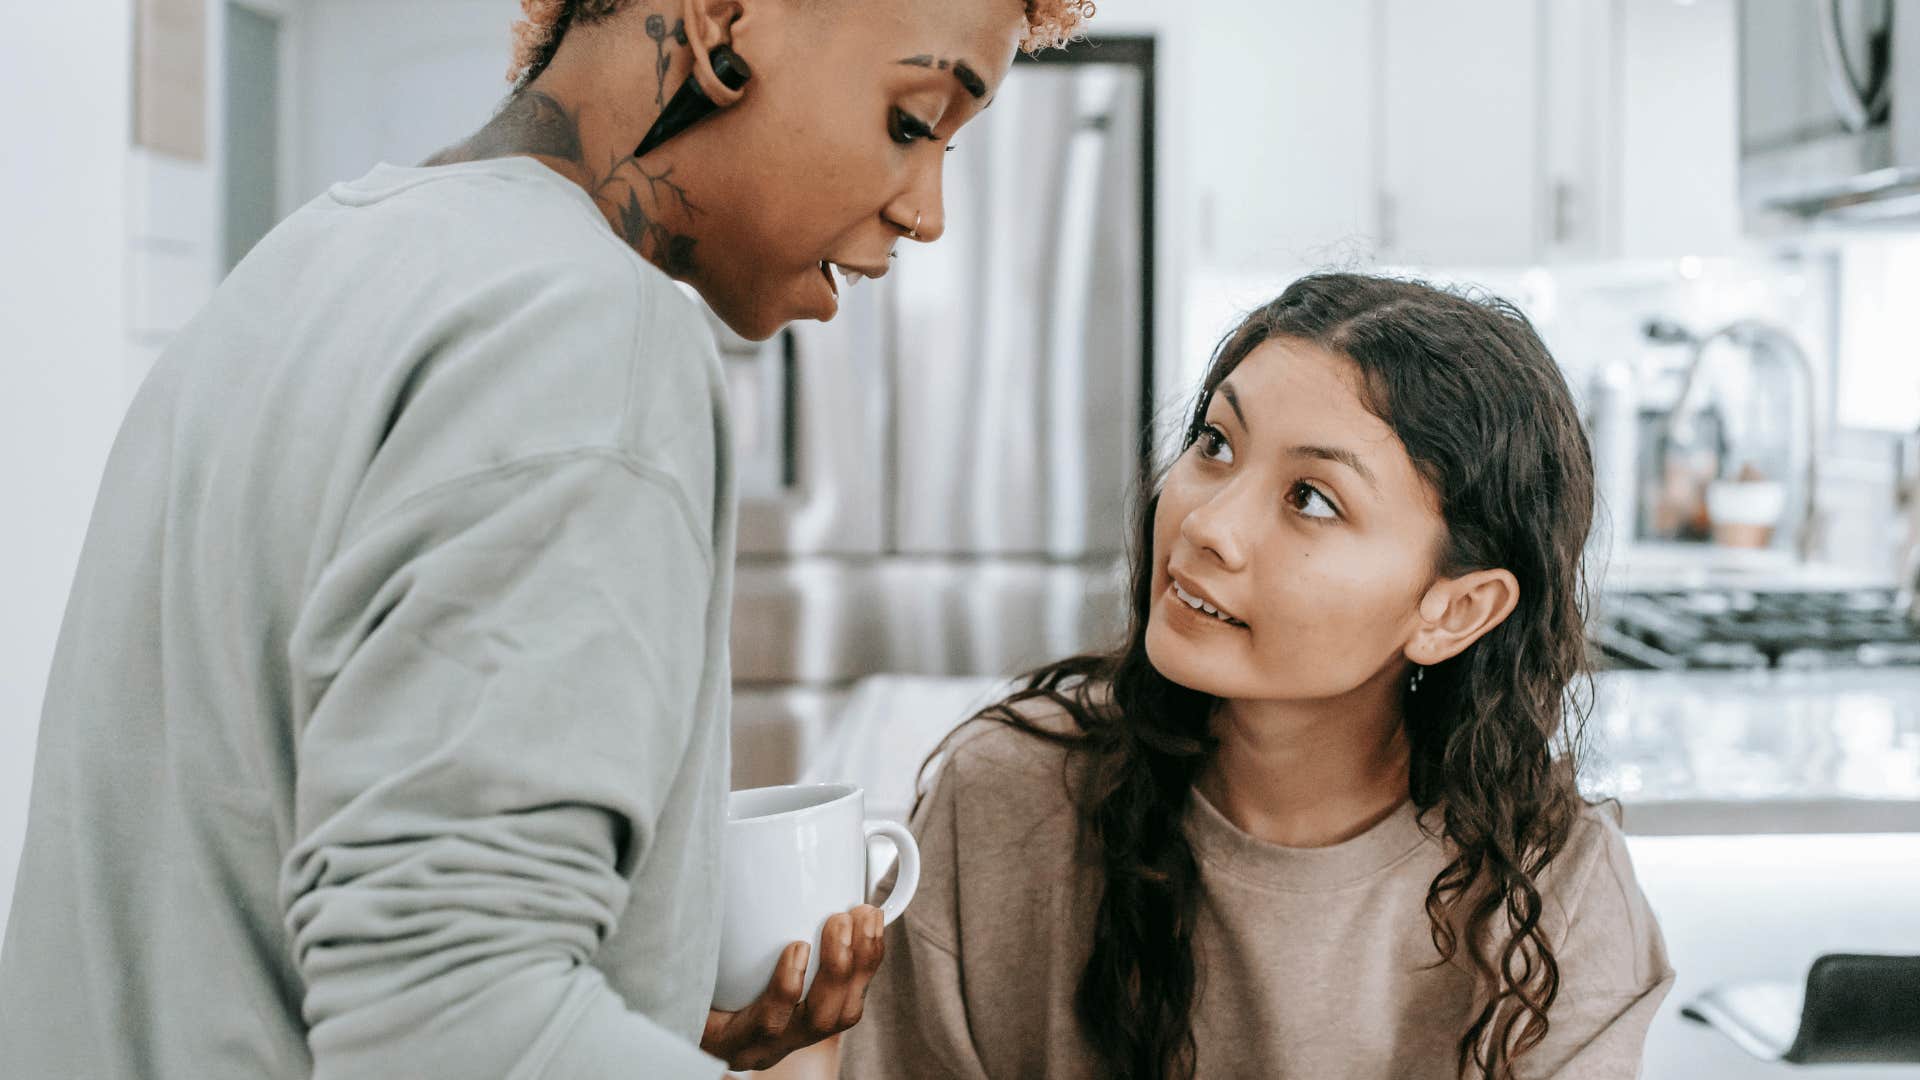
{"x": 909, "y": 879}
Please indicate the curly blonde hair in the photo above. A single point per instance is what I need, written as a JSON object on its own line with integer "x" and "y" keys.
{"x": 536, "y": 37}
{"x": 1051, "y": 24}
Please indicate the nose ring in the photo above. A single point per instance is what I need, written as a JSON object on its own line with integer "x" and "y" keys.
{"x": 914, "y": 233}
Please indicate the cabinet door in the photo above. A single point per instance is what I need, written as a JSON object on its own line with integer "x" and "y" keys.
{"x": 1281, "y": 138}
{"x": 1580, "y": 203}
{"x": 1679, "y": 128}
{"x": 1460, "y": 140}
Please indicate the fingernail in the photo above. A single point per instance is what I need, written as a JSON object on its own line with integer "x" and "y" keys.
{"x": 800, "y": 957}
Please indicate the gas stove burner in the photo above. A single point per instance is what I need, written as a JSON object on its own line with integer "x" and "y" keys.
{"x": 1739, "y": 629}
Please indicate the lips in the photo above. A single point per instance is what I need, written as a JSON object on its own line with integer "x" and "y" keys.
{"x": 851, "y": 273}
{"x": 1193, "y": 597}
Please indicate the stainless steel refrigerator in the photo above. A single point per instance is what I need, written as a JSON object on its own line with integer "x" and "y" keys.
{"x": 938, "y": 481}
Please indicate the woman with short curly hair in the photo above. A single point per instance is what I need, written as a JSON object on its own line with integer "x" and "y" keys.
{"x": 760, "y": 205}
{"x": 387, "y": 733}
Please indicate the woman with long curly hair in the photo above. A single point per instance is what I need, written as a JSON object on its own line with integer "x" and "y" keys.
{"x": 387, "y": 731}
{"x": 1318, "y": 815}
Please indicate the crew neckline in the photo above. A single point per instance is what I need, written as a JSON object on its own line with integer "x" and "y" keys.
{"x": 1301, "y": 869}
{"x": 385, "y": 180}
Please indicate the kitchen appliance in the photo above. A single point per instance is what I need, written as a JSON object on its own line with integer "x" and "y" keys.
{"x": 1743, "y": 629}
{"x": 1779, "y": 379}
{"x": 938, "y": 481}
{"x": 1830, "y": 108}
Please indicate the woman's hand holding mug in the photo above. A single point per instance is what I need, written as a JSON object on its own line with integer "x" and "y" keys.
{"x": 796, "y": 869}
{"x": 779, "y": 1022}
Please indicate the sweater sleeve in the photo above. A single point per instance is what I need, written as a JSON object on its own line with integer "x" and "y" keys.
{"x": 498, "y": 678}
{"x": 1614, "y": 970}
{"x": 915, "y": 1021}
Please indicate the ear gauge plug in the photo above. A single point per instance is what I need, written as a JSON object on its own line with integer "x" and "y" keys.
{"x": 690, "y": 104}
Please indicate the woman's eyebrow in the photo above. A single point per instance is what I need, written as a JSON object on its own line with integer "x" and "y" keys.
{"x": 1335, "y": 453}
{"x": 970, "y": 80}
{"x": 1322, "y": 453}
{"x": 1233, "y": 399}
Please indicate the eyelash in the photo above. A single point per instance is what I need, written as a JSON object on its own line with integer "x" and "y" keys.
{"x": 1302, "y": 485}
{"x": 1215, "y": 438}
{"x": 1210, "y": 433}
{"x": 906, "y": 127}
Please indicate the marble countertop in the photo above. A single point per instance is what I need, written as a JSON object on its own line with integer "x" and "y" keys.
{"x": 1685, "y": 752}
{"x": 1758, "y": 751}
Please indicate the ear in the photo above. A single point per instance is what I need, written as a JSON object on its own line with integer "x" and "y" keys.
{"x": 1457, "y": 612}
{"x": 710, "y": 23}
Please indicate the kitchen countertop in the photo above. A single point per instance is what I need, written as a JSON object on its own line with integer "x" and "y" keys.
{"x": 1685, "y": 752}
{"x": 1769, "y": 751}
{"x": 1662, "y": 566}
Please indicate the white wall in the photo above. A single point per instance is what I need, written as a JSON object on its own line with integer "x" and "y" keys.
{"x": 64, "y": 71}
{"x": 394, "y": 82}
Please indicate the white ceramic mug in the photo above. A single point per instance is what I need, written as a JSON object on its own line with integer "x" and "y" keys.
{"x": 795, "y": 856}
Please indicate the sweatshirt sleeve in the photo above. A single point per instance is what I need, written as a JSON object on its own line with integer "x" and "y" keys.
{"x": 498, "y": 680}
{"x": 1614, "y": 970}
{"x": 915, "y": 1023}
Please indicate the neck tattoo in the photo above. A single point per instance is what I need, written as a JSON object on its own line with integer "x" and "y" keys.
{"x": 650, "y": 209}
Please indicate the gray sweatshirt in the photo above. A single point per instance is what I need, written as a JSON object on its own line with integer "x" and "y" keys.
{"x": 386, "y": 735}
{"x": 1314, "y": 963}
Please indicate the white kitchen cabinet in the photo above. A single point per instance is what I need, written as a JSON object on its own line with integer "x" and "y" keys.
{"x": 1524, "y": 131}
{"x": 1280, "y": 134}
{"x": 1460, "y": 131}
{"x": 1579, "y": 209}
{"x": 1677, "y": 149}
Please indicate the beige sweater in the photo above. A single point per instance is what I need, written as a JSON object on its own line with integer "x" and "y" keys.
{"x": 1314, "y": 963}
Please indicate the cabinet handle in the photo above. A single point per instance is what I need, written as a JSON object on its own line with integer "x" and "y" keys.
{"x": 1562, "y": 213}
{"x": 1387, "y": 208}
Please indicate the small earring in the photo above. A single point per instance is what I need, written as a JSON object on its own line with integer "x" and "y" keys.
{"x": 1419, "y": 674}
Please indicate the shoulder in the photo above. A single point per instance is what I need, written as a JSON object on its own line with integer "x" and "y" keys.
{"x": 996, "y": 823}
{"x": 507, "y": 323}
{"x": 1595, "y": 908}
{"x": 517, "y": 240}
{"x": 995, "y": 783}
{"x": 992, "y": 756}
{"x": 1594, "y": 856}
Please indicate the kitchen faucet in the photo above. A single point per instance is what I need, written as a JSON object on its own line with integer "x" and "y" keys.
{"x": 1752, "y": 334}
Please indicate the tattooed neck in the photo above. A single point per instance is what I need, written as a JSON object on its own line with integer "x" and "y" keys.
{"x": 649, "y": 204}
{"x": 661, "y": 33}
{"x": 645, "y": 204}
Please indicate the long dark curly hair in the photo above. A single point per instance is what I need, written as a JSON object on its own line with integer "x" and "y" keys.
{"x": 1486, "y": 417}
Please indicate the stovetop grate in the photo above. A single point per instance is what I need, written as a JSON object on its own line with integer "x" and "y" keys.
{"x": 1735, "y": 628}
